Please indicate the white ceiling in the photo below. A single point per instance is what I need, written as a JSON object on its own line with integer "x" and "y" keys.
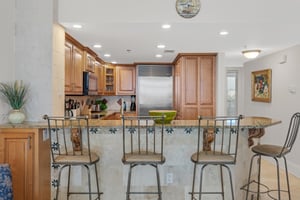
{"x": 118, "y": 25}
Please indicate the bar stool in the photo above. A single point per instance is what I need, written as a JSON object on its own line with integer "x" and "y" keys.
{"x": 217, "y": 145}
{"x": 70, "y": 146}
{"x": 6, "y": 188}
{"x": 143, "y": 145}
{"x": 275, "y": 152}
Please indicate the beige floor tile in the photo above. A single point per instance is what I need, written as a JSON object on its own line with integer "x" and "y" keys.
{"x": 269, "y": 178}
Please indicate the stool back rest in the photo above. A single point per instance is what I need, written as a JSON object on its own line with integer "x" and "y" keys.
{"x": 218, "y": 135}
{"x": 292, "y": 133}
{"x": 142, "y": 135}
{"x": 69, "y": 136}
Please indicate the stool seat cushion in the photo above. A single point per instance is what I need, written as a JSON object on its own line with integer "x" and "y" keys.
{"x": 143, "y": 157}
{"x": 270, "y": 150}
{"x": 213, "y": 157}
{"x": 77, "y": 159}
{"x": 6, "y": 189}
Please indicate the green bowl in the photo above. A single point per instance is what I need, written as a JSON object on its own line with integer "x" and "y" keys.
{"x": 169, "y": 115}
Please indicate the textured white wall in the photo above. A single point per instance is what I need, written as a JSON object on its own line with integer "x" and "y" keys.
{"x": 284, "y": 103}
{"x": 7, "y": 13}
{"x": 34, "y": 54}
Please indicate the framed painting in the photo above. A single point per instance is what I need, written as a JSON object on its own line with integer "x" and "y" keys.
{"x": 261, "y": 85}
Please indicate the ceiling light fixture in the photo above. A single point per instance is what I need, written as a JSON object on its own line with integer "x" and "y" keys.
{"x": 251, "y": 53}
{"x": 223, "y": 33}
{"x": 97, "y": 46}
{"x": 106, "y": 55}
{"x": 161, "y": 46}
{"x": 166, "y": 26}
{"x": 78, "y": 26}
{"x": 158, "y": 55}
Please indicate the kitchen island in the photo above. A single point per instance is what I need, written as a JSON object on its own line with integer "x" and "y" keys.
{"x": 180, "y": 143}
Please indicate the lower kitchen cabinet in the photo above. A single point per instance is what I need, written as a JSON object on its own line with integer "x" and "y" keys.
{"x": 29, "y": 158}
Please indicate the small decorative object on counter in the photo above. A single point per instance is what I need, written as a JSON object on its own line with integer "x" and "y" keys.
{"x": 132, "y": 105}
{"x": 102, "y": 104}
{"x": 15, "y": 94}
{"x": 124, "y": 105}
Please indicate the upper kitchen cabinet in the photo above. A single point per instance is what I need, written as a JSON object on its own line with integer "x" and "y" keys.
{"x": 89, "y": 60}
{"x": 194, "y": 86}
{"x": 99, "y": 71}
{"x": 126, "y": 80}
{"x": 109, "y": 80}
{"x": 73, "y": 65}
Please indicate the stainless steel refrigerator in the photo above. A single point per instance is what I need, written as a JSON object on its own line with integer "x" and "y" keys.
{"x": 154, "y": 88}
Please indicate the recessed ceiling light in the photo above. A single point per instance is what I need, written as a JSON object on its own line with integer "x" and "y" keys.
{"x": 106, "y": 55}
{"x": 224, "y": 33}
{"x": 166, "y": 26}
{"x": 158, "y": 55}
{"x": 77, "y": 26}
{"x": 114, "y": 62}
{"x": 97, "y": 46}
{"x": 161, "y": 46}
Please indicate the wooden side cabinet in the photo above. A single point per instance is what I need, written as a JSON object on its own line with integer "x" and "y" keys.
{"x": 29, "y": 158}
{"x": 126, "y": 77}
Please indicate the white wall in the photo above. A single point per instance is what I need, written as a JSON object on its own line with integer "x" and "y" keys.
{"x": 284, "y": 103}
{"x": 7, "y": 18}
{"x": 28, "y": 42}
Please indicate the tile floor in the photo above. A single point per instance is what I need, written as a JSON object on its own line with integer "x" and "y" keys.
{"x": 268, "y": 176}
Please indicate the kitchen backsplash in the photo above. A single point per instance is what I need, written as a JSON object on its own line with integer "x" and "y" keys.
{"x": 112, "y": 101}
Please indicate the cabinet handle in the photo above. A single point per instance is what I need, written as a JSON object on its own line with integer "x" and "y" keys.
{"x": 29, "y": 142}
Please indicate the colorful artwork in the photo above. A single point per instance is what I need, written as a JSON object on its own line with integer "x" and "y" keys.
{"x": 261, "y": 85}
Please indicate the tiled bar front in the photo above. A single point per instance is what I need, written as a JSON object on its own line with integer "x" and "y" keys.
{"x": 179, "y": 144}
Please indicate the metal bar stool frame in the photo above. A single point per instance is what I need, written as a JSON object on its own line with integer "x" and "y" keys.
{"x": 73, "y": 150}
{"x": 223, "y": 133}
{"x": 276, "y": 152}
{"x": 143, "y": 145}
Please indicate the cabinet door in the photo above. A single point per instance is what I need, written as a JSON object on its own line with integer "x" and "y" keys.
{"x": 17, "y": 150}
{"x": 89, "y": 62}
{"x": 177, "y": 89}
{"x": 99, "y": 71}
{"x": 109, "y": 80}
{"x": 68, "y": 67}
{"x": 207, "y": 86}
{"x": 190, "y": 90}
{"x": 77, "y": 70}
{"x": 126, "y": 83}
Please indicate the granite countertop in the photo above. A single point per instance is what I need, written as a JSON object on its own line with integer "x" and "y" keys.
{"x": 247, "y": 122}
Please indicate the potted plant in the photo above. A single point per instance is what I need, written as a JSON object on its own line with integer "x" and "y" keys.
{"x": 15, "y": 94}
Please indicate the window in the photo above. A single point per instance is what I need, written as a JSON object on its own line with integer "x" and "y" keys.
{"x": 231, "y": 88}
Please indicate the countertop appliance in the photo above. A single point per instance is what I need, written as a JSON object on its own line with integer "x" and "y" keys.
{"x": 154, "y": 88}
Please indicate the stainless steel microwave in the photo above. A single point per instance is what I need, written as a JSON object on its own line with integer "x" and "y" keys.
{"x": 90, "y": 84}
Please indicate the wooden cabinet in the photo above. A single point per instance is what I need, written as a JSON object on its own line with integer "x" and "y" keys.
{"x": 126, "y": 80}
{"x": 109, "y": 80}
{"x": 89, "y": 60}
{"x": 99, "y": 71}
{"x": 194, "y": 86}
{"x": 29, "y": 158}
{"x": 73, "y": 66}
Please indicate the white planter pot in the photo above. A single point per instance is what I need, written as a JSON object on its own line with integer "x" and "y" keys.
{"x": 16, "y": 117}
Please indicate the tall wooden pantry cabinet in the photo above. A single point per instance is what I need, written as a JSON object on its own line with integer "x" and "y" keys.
{"x": 195, "y": 85}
